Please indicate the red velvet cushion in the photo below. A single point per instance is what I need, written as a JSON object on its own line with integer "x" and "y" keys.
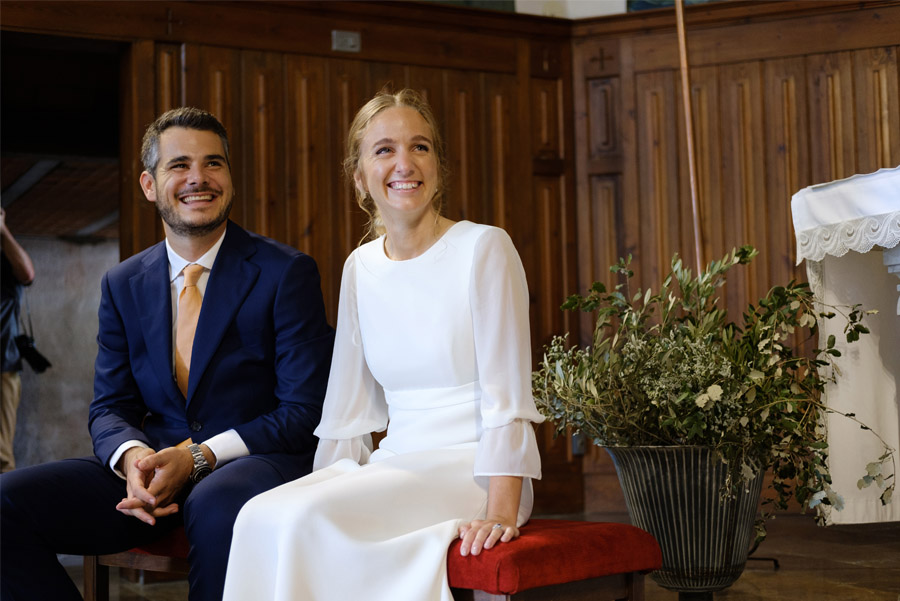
{"x": 552, "y": 552}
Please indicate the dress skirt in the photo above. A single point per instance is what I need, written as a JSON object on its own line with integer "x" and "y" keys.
{"x": 374, "y": 532}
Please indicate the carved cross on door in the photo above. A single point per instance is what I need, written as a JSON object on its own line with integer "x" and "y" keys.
{"x": 171, "y": 21}
{"x": 600, "y": 58}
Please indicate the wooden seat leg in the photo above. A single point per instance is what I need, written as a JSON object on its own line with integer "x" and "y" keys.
{"x": 635, "y": 587}
{"x": 96, "y": 580}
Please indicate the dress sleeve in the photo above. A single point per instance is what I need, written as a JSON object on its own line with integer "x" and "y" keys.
{"x": 499, "y": 298}
{"x": 354, "y": 404}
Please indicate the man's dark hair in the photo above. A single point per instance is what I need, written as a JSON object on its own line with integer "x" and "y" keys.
{"x": 185, "y": 116}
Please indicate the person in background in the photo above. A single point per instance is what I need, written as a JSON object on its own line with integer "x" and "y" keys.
{"x": 433, "y": 344}
{"x": 211, "y": 369}
{"x": 17, "y": 272}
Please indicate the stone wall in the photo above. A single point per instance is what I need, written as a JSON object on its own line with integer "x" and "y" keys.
{"x": 63, "y": 300}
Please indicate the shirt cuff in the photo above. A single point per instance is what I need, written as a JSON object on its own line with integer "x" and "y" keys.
{"x": 121, "y": 451}
{"x": 227, "y": 446}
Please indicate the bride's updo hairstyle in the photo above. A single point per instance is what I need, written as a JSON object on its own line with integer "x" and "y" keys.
{"x": 385, "y": 100}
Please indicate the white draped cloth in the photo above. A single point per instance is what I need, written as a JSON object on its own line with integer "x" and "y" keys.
{"x": 437, "y": 351}
{"x": 857, "y": 214}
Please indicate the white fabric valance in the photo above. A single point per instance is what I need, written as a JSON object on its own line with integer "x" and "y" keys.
{"x": 856, "y": 213}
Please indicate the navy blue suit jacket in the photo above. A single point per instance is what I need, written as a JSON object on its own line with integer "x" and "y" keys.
{"x": 260, "y": 360}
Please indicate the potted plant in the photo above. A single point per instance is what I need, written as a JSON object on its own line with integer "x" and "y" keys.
{"x": 669, "y": 383}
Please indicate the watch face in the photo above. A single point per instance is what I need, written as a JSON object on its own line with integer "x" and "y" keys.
{"x": 200, "y": 473}
{"x": 201, "y": 467}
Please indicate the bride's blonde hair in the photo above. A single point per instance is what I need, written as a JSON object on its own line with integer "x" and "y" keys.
{"x": 384, "y": 100}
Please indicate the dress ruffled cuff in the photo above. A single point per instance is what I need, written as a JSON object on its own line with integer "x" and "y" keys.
{"x": 331, "y": 451}
{"x": 510, "y": 450}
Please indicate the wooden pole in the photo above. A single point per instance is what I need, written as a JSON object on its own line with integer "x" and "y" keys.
{"x": 689, "y": 130}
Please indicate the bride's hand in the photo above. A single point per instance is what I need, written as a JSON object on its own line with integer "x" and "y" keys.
{"x": 484, "y": 534}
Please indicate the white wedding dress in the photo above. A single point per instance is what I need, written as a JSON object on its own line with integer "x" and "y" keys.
{"x": 437, "y": 349}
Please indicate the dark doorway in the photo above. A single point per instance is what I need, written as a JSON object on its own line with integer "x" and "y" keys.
{"x": 60, "y": 136}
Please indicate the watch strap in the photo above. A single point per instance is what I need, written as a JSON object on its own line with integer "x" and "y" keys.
{"x": 201, "y": 465}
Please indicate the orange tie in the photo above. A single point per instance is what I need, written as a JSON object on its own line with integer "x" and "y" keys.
{"x": 189, "y": 302}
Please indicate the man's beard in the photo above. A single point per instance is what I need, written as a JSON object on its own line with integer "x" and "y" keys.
{"x": 171, "y": 218}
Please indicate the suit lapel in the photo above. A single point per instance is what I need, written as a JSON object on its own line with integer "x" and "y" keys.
{"x": 152, "y": 296}
{"x": 230, "y": 281}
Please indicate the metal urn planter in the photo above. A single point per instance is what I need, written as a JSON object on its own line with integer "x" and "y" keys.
{"x": 674, "y": 494}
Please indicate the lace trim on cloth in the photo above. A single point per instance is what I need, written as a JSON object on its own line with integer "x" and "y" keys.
{"x": 816, "y": 280}
{"x": 858, "y": 234}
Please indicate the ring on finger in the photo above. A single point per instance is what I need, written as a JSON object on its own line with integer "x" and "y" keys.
{"x": 497, "y": 526}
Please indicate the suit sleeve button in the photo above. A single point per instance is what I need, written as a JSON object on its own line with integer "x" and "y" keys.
{"x": 196, "y": 426}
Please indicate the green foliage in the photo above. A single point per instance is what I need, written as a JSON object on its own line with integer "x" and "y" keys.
{"x": 670, "y": 369}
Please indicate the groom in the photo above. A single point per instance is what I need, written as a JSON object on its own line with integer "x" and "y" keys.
{"x": 185, "y": 428}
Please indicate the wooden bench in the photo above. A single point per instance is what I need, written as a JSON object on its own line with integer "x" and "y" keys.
{"x": 552, "y": 559}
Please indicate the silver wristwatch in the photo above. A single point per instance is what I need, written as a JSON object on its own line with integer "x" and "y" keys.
{"x": 201, "y": 466}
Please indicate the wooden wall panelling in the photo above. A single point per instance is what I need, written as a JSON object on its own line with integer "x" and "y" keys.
{"x": 831, "y": 116}
{"x": 657, "y": 164}
{"x": 788, "y": 161}
{"x": 309, "y": 170}
{"x": 141, "y": 227}
{"x": 599, "y": 214}
{"x": 628, "y": 238}
{"x": 550, "y": 228}
{"x": 743, "y": 177}
{"x": 567, "y": 165}
{"x": 557, "y": 252}
{"x": 503, "y": 137}
{"x": 390, "y": 76}
{"x": 707, "y": 142}
{"x": 603, "y": 219}
{"x": 546, "y": 122}
{"x": 567, "y": 251}
{"x": 877, "y": 108}
{"x": 596, "y": 58}
{"x": 764, "y": 38}
{"x": 506, "y": 104}
{"x": 168, "y": 77}
{"x": 545, "y": 114}
{"x": 261, "y": 204}
{"x": 602, "y": 124}
{"x": 432, "y": 35}
{"x": 597, "y": 101}
{"x": 546, "y": 58}
{"x": 346, "y": 93}
{"x": 468, "y": 195}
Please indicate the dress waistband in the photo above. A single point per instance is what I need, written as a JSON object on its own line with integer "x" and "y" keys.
{"x": 429, "y": 398}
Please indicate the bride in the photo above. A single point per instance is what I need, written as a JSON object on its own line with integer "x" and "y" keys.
{"x": 433, "y": 345}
